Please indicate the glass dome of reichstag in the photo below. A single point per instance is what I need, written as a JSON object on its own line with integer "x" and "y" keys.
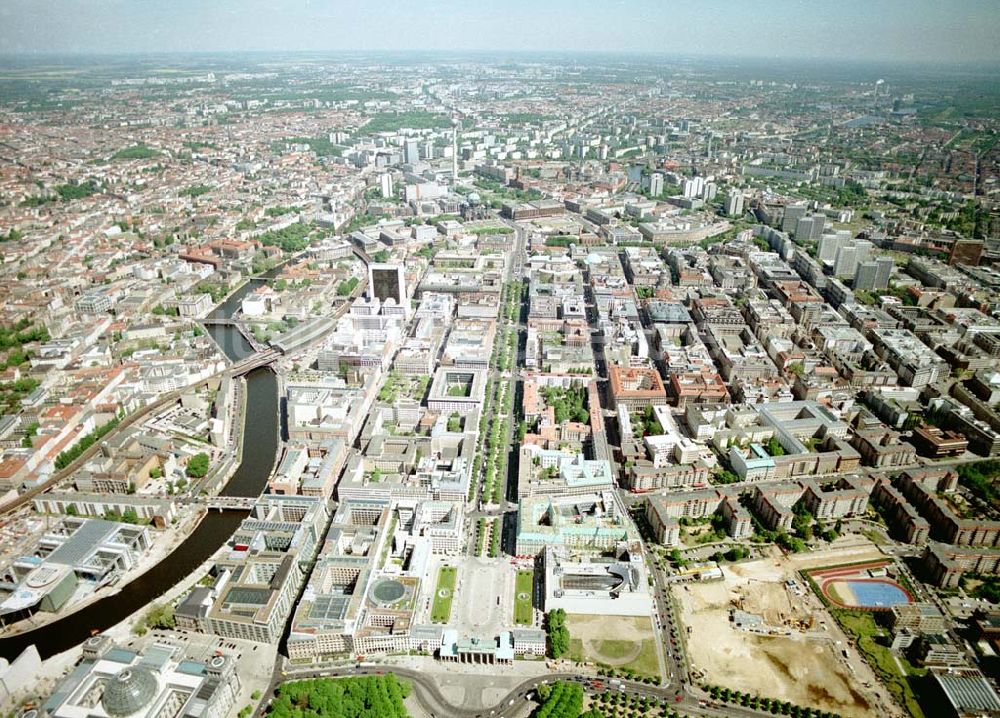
{"x": 129, "y": 692}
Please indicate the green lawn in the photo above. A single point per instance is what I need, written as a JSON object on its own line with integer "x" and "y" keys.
{"x": 523, "y": 584}
{"x": 611, "y": 652}
{"x": 443, "y": 595}
{"x": 861, "y": 626}
{"x": 616, "y": 649}
{"x": 647, "y": 663}
{"x": 624, "y": 643}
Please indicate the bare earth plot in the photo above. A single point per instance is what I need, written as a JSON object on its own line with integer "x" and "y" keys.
{"x": 797, "y": 655}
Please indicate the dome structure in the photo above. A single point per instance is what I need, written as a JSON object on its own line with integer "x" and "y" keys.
{"x": 129, "y": 692}
{"x": 388, "y": 591}
{"x": 473, "y": 198}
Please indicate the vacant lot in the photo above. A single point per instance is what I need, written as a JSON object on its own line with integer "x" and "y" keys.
{"x": 625, "y": 642}
{"x": 801, "y": 659}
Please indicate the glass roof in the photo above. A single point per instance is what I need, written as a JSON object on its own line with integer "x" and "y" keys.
{"x": 132, "y": 690}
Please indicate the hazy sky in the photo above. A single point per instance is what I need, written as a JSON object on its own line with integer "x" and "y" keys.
{"x": 922, "y": 30}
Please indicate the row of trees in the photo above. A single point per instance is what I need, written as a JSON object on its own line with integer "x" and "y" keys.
{"x": 628, "y": 673}
{"x": 512, "y": 309}
{"x": 494, "y": 446}
{"x": 557, "y": 632}
{"x": 771, "y": 705}
{"x": 505, "y": 346}
{"x": 477, "y": 462}
{"x": 493, "y": 426}
{"x": 128, "y": 516}
{"x": 480, "y": 535}
{"x": 495, "y": 539}
{"x": 621, "y": 704}
{"x": 72, "y": 453}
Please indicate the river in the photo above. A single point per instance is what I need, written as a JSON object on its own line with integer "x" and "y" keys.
{"x": 260, "y": 446}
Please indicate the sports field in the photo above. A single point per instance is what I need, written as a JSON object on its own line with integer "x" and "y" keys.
{"x": 863, "y": 585}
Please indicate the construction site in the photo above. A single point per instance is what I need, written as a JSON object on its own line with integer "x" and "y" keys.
{"x": 761, "y": 629}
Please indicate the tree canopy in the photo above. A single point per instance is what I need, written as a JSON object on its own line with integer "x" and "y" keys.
{"x": 558, "y": 633}
{"x": 568, "y": 404}
{"x": 361, "y": 697}
{"x": 293, "y": 238}
{"x": 565, "y": 700}
{"x": 197, "y": 466}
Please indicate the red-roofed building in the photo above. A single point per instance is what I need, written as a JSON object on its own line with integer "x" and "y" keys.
{"x": 698, "y": 388}
{"x": 636, "y": 387}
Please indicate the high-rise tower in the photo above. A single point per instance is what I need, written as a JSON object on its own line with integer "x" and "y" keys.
{"x": 454, "y": 152}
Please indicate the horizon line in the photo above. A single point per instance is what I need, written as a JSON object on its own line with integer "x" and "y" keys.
{"x": 941, "y": 63}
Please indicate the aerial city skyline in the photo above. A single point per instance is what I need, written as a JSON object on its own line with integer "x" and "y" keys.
{"x": 521, "y": 360}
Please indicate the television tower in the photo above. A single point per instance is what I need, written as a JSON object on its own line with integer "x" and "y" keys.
{"x": 454, "y": 152}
